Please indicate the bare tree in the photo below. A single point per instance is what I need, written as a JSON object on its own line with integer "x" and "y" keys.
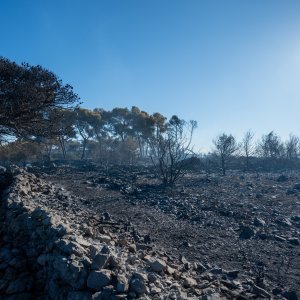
{"x": 170, "y": 148}
{"x": 270, "y": 146}
{"x": 292, "y": 147}
{"x": 225, "y": 147}
{"x": 247, "y": 147}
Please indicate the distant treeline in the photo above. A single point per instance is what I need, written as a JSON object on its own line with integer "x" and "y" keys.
{"x": 40, "y": 120}
{"x": 117, "y": 136}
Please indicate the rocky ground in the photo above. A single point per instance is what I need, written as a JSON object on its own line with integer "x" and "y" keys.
{"x": 247, "y": 223}
{"x": 209, "y": 237}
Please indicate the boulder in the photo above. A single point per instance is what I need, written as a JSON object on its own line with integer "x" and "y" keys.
{"x": 138, "y": 286}
{"x": 158, "y": 265}
{"x": 189, "y": 282}
{"x": 114, "y": 261}
{"x": 99, "y": 261}
{"x": 98, "y": 279}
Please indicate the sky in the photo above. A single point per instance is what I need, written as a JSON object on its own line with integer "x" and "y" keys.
{"x": 230, "y": 65}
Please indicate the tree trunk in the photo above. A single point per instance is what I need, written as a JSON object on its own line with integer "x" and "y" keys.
{"x": 223, "y": 166}
{"x": 62, "y": 145}
{"x": 83, "y": 149}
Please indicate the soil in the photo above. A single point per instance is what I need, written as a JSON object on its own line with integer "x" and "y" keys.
{"x": 248, "y": 222}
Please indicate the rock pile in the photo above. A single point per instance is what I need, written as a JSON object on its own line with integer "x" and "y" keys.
{"x": 53, "y": 247}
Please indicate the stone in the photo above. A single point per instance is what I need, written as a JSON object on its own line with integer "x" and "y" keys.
{"x": 140, "y": 276}
{"x": 132, "y": 248}
{"x": 284, "y": 222}
{"x": 122, "y": 284}
{"x": 103, "y": 238}
{"x": 247, "y": 233}
{"x": 138, "y": 286}
{"x": 3, "y": 170}
{"x": 3, "y": 284}
{"x": 132, "y": 295}
{"x": 105, "y": 250}
{"x": 259, "y": 222}
{"x": 5, "y": 255}
{"x": 262, "y": 235}
{"x": 189, "y": 282}
{"x": 290, "y": 295}
{"x": 296, "y": 186}
{"x": 18, "y": 262}
{"x": 82, "y": 241}
{"x": 17, "y": 286}
{"x": 155, "y": 290}
{"x": 173, "y": 295}
{"x": 99, "y": 261}
{"x": 114, "y": 261}
{"x": 121, "y": 297}
{"x": 78, "y": 295}
{"x": 152, "y": 277}
{"x": 276, "y": 291}
{"x": 200, "y": 267}
{"x": 107, "y": 292}
{"x": 20, "y": 296}
{"x": 279, "y": 238}
{"x": 259, "y": 195}
{"x": 38, "y": 213}
{"x": 214, "y": 296}
{"x": 70, "y": 272}
{"x": 106, "y": 216}
{"x": 216, "y": 271}
{"x": 76, "y": 265}
{"x": 158, "y": 265}
{"x": 282, "y": 178}
{"x": 122, "y": 241}
{"x": 10, "y": 274}
{"x": 291, "y": 192}
{"x": 97, "y": 296}
{"x": 293, "y": 241}
{"x": 260, "y": 291}
{"x": 98, "y": 279}
{"x": 69, "y": 247}
{"x": 296, "y": 218}
{"x": 87, "y": 231}
{"x": 63, "y": 229}
{"x": 170, "y": 270}
{"x": 233, "y": 273}
{"x": 182, "y": 259}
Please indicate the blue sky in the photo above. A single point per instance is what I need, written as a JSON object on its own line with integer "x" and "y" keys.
{"x": 230, "y": 65}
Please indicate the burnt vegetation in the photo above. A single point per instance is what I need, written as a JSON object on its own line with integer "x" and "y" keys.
{"x": 41, "y": 121}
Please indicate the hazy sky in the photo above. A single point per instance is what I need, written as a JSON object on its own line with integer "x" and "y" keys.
{"x": 230, "y": 65}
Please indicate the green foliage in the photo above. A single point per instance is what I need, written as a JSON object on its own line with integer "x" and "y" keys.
{"x": 39, "y": 118}
{"x": 28, "y": 95}
{"x": 20, "y": 152}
